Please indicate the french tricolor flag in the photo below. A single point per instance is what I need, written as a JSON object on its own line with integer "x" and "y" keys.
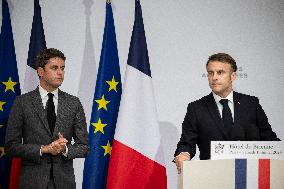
{"x": 234, "y": 174}
{"x": 259, "y": 174}
{"x": 137, "y": 159}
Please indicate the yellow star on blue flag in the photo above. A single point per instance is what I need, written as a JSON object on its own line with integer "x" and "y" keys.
{"x": 107, "y": 149}
{"x": 102, "y": 103}
{"x": 112, "y": 84}
{"x": 10, "y": 85}
{"x": 1, "y": 106}
{"x": 99, "y": 126}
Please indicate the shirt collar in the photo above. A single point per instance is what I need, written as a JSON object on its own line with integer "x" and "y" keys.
{"x": 43, "y": 93}
{"x": 218, "y": 98}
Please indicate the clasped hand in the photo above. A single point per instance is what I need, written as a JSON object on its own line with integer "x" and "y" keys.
{"x": 56, "y": 147}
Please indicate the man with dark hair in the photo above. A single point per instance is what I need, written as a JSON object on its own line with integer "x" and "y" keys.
{"x": 215, "y": 116}
{"x": 43, "y": 58}
{"x": 41, "y": 126}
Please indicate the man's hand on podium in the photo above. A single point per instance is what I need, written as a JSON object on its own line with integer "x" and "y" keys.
{"x": 183, "y": 156}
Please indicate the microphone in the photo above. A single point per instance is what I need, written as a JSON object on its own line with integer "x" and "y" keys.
{"x": 251, "y": 132}
{"x": 236, "y": 133}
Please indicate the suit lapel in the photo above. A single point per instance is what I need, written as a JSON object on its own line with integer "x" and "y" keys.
{"x": 40, "y": 111}
{"x": 213, "y": 109}
{"x": 60, "y": 111}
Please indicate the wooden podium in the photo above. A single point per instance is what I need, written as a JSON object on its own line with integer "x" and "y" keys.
{"x": 233, "y": 174}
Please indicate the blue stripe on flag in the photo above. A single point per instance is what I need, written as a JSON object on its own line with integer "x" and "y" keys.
{"x": 138, "y": 55}
{"x": 240, "y": 173}
{"x": 37, "y": 39}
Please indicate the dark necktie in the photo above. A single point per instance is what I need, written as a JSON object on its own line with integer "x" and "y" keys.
{"x": 226, "y": 114}
{"x": 50, "y": 109}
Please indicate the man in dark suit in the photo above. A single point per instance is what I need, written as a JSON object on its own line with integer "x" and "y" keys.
{"x": 41, "y": 126}
{"x": 221, "y": 115}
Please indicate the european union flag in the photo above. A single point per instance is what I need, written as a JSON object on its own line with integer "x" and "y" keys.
{"x": 9, "y": 88}
{"x": 105, "y": 109}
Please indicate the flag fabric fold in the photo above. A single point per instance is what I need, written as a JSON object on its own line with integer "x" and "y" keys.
{"x": 105, "y": 109}
{"x": 37, "y": 43}
{"x": 137, "y": 156}
{"x": 9, "y": 88}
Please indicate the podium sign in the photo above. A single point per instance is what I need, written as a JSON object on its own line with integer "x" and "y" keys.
{"x": 247, "y": 150}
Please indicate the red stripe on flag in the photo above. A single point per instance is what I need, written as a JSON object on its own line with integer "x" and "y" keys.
{"x": 129, "y": 169}
{"x": 264, "y": 174}
{"x": 15, "y": 173}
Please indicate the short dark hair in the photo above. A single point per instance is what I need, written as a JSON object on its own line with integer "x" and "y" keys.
{"x": 224, "y": 58}
{"x": 46, "y": 54}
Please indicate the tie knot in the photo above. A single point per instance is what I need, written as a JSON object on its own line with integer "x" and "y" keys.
{"x": 224, "y": 102}
{"x": 50, "y": 95}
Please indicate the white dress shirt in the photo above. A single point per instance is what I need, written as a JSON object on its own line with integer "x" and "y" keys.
{"x": 44, "y": 97}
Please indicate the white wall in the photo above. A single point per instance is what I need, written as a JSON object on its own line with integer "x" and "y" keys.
{"x": 180, "y": 36}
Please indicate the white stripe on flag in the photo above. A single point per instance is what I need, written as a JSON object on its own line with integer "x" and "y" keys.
{"x": 252, "y": 174}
